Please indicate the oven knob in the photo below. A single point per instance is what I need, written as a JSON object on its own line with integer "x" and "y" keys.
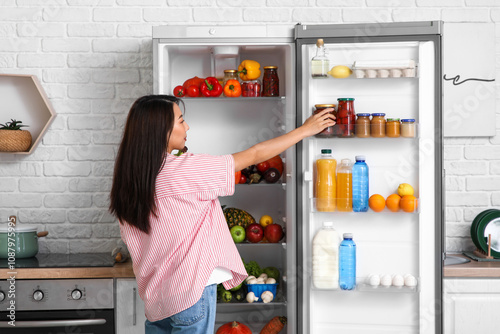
{"x": 38, "y": 295}
{"x": 2, "y": 296}
{"x": 76, "y": 294}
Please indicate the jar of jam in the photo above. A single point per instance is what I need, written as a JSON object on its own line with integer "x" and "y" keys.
{"x": 270, "y": 81}
{"x": 251, "y": 88}
{"x": 346, "y": 118}
{"x": 392, "y": 127}
{"x": 362, "y": 128}
{"x": 229, "y": 75}
{"x": 377, "y": 125}
{"x": 408, "y": 128}
{"x": 330, "y": 131}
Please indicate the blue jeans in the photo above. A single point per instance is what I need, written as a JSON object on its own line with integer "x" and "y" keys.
{"x": 198, "y": 319}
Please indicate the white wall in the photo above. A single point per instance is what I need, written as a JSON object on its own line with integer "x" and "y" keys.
{"x": 94, "y": 58}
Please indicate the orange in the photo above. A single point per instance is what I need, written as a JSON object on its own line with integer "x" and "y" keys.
{"x": 392, "y": 202}
{"x": 408, "y": 203}
{"x": 376, "y": 202}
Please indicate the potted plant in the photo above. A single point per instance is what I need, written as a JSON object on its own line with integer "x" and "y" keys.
{"x": 13, "y": 138}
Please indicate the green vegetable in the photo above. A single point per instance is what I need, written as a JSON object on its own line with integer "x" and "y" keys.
{"x": 239, "y": 295}
{"x": 272, "y": 272}
{"x": 236, "y": 288}
{"x": 252, "y": 268}
{"x": 220, "y": 290}
{"x": 227, "y": 296}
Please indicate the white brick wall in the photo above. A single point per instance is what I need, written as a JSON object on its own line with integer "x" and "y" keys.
{"x": 94, "y": 58}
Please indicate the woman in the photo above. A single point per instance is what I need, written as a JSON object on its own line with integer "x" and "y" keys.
{"x": 170, "y": 216}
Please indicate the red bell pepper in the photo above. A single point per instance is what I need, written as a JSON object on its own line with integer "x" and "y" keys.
{"x": 211, "y": 87}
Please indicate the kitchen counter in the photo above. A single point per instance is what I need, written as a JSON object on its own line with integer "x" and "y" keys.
{"x": 119, "y": 270}
{"x": 472, "y": 269}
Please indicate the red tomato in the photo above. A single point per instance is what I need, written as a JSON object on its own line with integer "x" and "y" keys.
{"x": 193, "y": 91}
{"x": 263, "y": 166}
{"x": 179, "y": 91}
{"x": 243, "y": 179}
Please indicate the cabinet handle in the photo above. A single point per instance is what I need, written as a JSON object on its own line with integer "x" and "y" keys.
{"x": 134, "y": 300}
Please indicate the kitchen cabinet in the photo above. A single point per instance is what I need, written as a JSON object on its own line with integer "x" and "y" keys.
{"x": 471, "y": 305}
{"x": 129, "y": 312}
{"x": 25, "y": 100}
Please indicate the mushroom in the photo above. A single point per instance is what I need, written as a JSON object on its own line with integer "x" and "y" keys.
{"x": 267, "y": 296}
{"x": 251, "y": 297}
{"x": 249, "y": 278}
{"x": 252, "y": 281}
{"x": 270, "y": 280}
{"x": 263, "y": 276}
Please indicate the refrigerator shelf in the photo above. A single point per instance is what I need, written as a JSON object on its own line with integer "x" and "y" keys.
{"x": 241, "y": 98}
{"x": 244, "y": 306}
{"x": 369, "y": 212}
{"x": 275, "y": 245}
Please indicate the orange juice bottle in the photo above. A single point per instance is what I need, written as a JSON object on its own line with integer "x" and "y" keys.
{"x": 326, "y": 186}
{"x": 344, "y": 186}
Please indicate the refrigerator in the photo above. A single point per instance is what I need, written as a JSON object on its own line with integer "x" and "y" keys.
{"x": 388, "y": 243}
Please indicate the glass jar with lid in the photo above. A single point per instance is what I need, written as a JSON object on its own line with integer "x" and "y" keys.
{"x": 331, "y": 131}
{"x": 377, "y": 125}
{"x": 408, "y": 127}
{"x": 270, "y": 81}
{"x": 392, "y": 127}
{"x": 229, "y": 75}
{"x": 251, "y": 88}
{"x": 346, "y": 118}
{"x": 362, "y": 128}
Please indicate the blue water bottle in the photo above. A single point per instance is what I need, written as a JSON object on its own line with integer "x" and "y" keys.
{"x": 347, "y": 259}
{"x": 360, "y": 185}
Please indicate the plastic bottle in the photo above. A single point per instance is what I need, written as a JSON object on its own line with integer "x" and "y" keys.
{"x": 325, "y": 258}
{"x": 326, "y": 186}
{"x": 360, "y": 185}
{"x": 347, "y": 256}
{"x": 319, "y": 63}
{"x": 344, "y": 185}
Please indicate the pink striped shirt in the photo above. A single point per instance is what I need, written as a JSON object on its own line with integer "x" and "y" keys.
{"x": 188, "y": 239}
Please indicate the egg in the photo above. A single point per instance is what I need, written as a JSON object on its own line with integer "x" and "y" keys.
{"x": 410, "y": 281}
{"x": 386, "y": 280}
{"x": 398, "y": 280}
{"x": 374, "y": 280}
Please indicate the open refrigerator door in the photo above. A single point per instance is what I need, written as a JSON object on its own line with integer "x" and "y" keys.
{"x": 225, "y": 125}
{"x": 392, "y": 71}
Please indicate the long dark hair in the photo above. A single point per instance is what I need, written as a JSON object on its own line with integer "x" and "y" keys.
{"x": 140, "y": 158}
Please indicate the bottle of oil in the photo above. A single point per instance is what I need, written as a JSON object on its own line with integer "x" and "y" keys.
{"x": 320, "y": 63}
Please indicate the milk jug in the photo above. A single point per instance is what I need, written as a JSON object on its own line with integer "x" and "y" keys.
{"x": 325, "y": 258}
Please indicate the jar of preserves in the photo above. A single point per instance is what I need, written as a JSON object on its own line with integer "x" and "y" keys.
{"x": 377, "y": 125}
{"x": 408, "y": 128}
{"x": 270, "y": 81}
{"x": 251, "y": 88}
{"x": 392, "y": 127}
{"x": 331, "y": 131}
{"x": 346, "y": 118}
{"x": 229, "y": 75}
{"x": 362, "y": 128}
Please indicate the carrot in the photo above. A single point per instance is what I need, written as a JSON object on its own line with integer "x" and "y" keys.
{"x": 274, "y": 326}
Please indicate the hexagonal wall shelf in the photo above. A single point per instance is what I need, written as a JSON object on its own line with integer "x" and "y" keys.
{"x": 23, "y": 99}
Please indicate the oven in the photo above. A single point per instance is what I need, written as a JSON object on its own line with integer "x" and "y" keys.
{"x": 54, "y": 306}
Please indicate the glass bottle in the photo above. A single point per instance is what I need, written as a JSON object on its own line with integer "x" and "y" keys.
{"x": 320, "y": 63}
{"x": 270, "y": 81}
{"x": 346, "y": 118}
{"x": 347, "y": 259}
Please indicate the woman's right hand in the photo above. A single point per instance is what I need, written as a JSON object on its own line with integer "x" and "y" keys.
{"x": 318, "y": 122}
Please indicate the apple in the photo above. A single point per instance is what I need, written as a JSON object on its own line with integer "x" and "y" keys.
{"x": 237, "y": 233}
{"x": 273, "y": 233}
{"x": 263, "y": 166}
{"x": 255, "y": 232}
